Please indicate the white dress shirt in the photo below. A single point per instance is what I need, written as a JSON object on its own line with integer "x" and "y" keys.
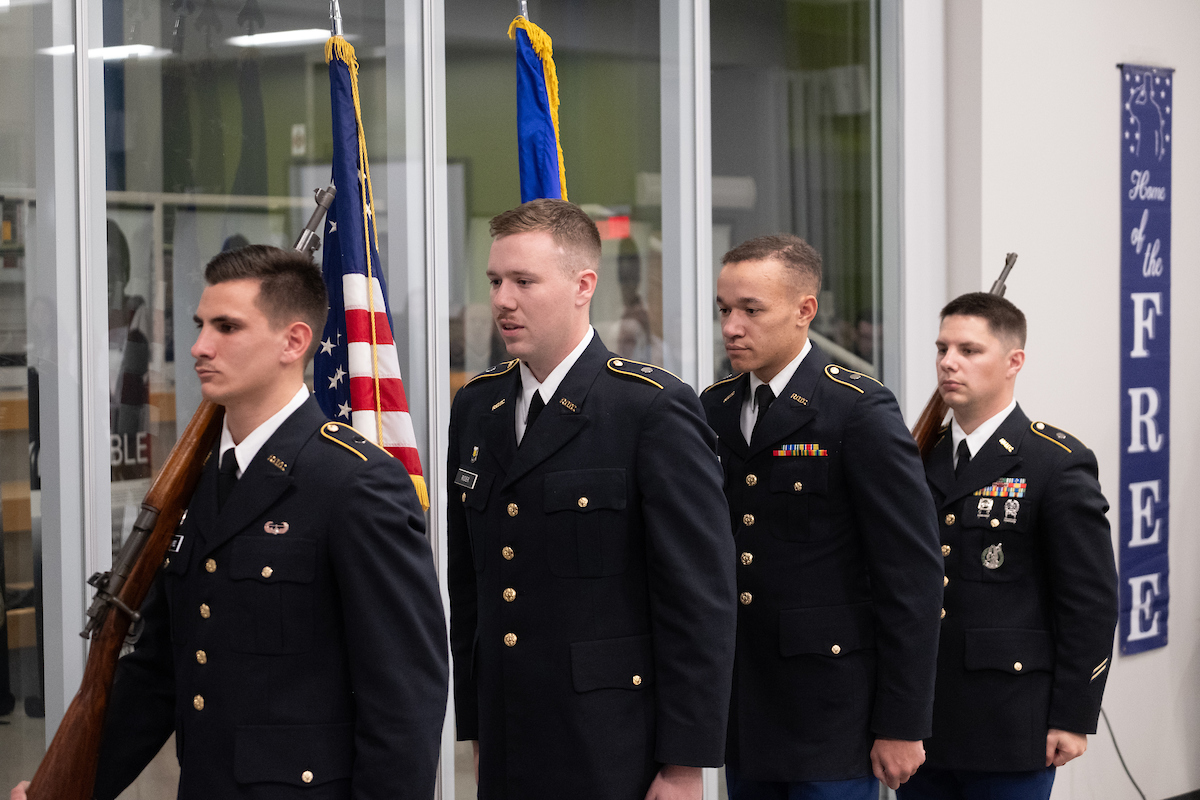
{"x": 548, "y": 387}
{"x": 777, "y": 384}
{"x": 248, "y": 448}
{"x": 978, "y": 437}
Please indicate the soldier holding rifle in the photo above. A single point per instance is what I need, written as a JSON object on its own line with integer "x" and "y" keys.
{"x": 295, "y": 636}
{"x": 1031, "y": 594}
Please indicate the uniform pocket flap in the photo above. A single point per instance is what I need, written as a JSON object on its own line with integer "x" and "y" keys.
{"x": 273, "y": 559}
{"x": 828, "y": 631}
{"x": 626, "y": 663}
{"x": 300, "y": 755}
{"x": 800, "y": 474}
{"x": 1011, "y": 650}
{"x": 585, "y": 490}
{"x": 474, "y": 487}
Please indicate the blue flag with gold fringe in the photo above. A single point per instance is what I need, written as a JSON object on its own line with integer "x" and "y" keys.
{"x": 543, "y": 173}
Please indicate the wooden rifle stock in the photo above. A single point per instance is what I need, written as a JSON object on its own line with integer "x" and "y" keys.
{"x": 930, "y": 422}
{"x": 68, "y": 770}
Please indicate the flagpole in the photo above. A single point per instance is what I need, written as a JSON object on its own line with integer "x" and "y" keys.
{"x": 525, "y": 9}
{"x": 335, "y": 18}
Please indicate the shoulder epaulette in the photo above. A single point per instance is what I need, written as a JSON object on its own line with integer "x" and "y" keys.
{"x": 650, "y": 373}
{"x": 494, "y": 370}
{"x": 1060, "y": 437}
{"x": 346, "y": 436}
{"x": 847, "y": 377}
{"x": 723, "y": 381}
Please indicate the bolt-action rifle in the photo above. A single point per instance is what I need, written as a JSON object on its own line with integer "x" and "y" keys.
{"x": 930, "y": 422}
{"x": 68, "y": 770}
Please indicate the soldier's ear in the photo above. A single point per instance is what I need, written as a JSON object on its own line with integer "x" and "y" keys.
{"x": 298, "y": 337}
{"x": 1016, "y": 360}
{"x": 806, "y": 310}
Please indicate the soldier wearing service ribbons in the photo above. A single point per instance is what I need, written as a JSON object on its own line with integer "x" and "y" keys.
{"x": 838, "y": 571}
{"x": 1031, "y": 592}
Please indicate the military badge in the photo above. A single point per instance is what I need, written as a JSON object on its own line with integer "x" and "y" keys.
{"x": 993, "y": 556}
{"x": 176, "y": 543}
{"x": 985, "y": 507}
{"x": 475, "y": 454}
{"x": 276, "y": 528}
{"x": 466, "y": 478}
{"x": 1011, "y": 507}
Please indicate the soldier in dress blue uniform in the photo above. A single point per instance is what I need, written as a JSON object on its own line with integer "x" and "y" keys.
{"x": 1031, "y": 591}
{"x": 590, "y": 559}
{"x": 295, "y": 640}
{"x": 838, "y": 570}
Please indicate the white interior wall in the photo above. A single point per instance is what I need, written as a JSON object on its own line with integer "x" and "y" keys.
{"x": 1033, "y": 129}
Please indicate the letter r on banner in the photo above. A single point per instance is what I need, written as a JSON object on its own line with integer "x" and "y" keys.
{"x": 1141, "y": 418}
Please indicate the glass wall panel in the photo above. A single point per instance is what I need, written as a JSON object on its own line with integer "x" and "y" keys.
{"x": 794, "y": 110}
{"x": 24, "y": 320}
{"x": 607, "y": 56}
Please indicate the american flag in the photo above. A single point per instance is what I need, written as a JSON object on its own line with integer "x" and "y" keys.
{"x": 356, "y": 369}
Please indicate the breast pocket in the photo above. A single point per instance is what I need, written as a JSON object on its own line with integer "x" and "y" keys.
{"x": 587, "y": 527}
{"x": 474, "y": 489}
{"x": 175, "y": 567}
{"x": 801, "y": 484}
{"x": 996, "y": 540}
{"x": 272, "y": 596}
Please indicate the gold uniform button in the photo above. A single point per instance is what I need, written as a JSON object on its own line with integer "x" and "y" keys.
{"x": 747, "y": 558}
{"x": 1018, "y": 666}
{"x": 166, "y": 563}
{"x": 512, "y": 509}
{"x": 949, "y": 519}
{"x": 510, "y": 594}
{"x": 747, "y": 519}
{"x": 508, "y": 553}
{"x": 306, "y": 776}
{"x": 1041, "y": 426}
{"x": 945, "y": 549}
{"x": 995, "y": 523}
{"x": 510, "y": 639}
{"x": 205, "y": 611}
{"x": 751, "y": 479}
{"x": 267, "y": 572}
{"x": 945, "y": 580}
{"x": 464, "y": 497}
{"x": 637, "y": 680}
{"x": 797, "y": 486}
{"x": 210, "y": 566}
{"x": 943, "y": 613}
{"x": 582, "y": 502}
{"x": 746, "y": 598}
{"x": 198, "y": 702}
{"x": 837, "y": 648}
{"x": 201, "y": 657}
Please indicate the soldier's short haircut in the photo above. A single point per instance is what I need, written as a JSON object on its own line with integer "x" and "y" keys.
{"x": 290, "y": 284}
{"x": 1005, "y": 321}
{"x": 568, "y": 224}
{"x": 797, "y": 255}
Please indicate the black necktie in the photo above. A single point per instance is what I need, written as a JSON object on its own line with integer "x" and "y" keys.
{"x": 763, "y": 397}
{"x": 535, "y": 409}
{"x": 964, "y": 458}
{"x": 226, "y": 477}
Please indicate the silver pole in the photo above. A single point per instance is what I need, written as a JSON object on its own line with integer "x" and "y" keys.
{"x": 525, "y": 9}
{"x": 335, "y": 18}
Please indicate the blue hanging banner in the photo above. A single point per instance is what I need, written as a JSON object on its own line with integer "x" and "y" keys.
{"x": 1145, "y": 355}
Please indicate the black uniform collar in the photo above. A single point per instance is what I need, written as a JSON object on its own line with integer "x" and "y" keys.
{"x": 992, "y": 461}
{"x": 264, "y": 482}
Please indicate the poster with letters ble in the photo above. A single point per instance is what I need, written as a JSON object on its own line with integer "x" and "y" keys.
{"x": 1145, "y": 354}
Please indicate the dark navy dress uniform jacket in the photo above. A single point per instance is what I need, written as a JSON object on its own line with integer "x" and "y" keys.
{"x": 1031, "y": 597}
{"x": 591, "y": 582}
{"x": 295, "y": 642}
{"x": 839, "y": 576}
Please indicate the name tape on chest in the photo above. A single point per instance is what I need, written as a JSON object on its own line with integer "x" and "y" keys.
{"x": 1004, "y": 487}
{"x": 465, "y": 478}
